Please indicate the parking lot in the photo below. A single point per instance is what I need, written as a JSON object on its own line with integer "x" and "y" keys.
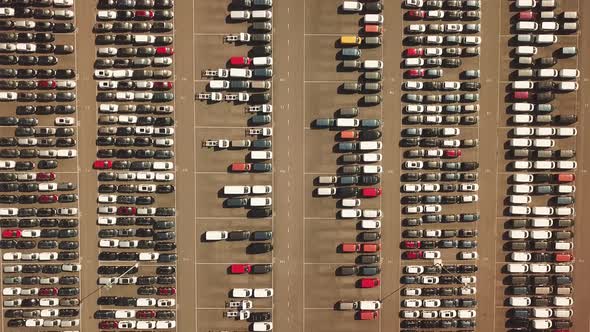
{"x": 308, "y": 232}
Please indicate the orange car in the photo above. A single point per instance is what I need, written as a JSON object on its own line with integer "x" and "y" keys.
{"x": 370, "y": 247}
{"x": 372, "y": 28}
{"x": 349, "y": 134}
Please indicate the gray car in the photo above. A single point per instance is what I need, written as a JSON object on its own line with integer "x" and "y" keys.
{"x": 413, "y": 98}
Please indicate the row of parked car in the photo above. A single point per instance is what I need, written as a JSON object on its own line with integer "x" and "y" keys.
{"x": 39, "y": 214}
{"x": 357, "y": 180}
{"x": 541, "y": 198}
{"x": 247, "y": 80}
{"x": 439, "y": 171}
{"x": 136, "y": 163}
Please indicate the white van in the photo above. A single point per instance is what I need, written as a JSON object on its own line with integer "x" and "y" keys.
{"x": 369, "y": 145}
{"x": 542, "y": 324}
{"x": 526, "y": 50}
{"x": 523, "y": 131}
{"x": 570, "y": 15}
{"x": 565, "y": 189}
{"x": 547, "y": 15}
{"x": 261, "y": 15}
{"x": 236, "y": 190}
{"x": 525, "y": 3}
{"x": 566, "y": 132}
{"x": 544, "y": 164}
{"x": 522, "y": 178}
{"x": 350, "y": 213}
{"x": 521, "y": 118}
{"x": 240, "y": 15}
{"x": 522, "y": 164}
{"x": 519, "y": 301}
{"x": 520, "y": 142}
{"x": 517, "y": 268}
{"x": 240, "y": 72}
{"x": 566, "y": 164}
{"x": 519, "y": 210}
{"x": 541, "y": 222}
{"x": 520, "y": 199}
{"x": 352, "y": 6}
{"x": 560, "y": 245}
{"x": 326, "y": 191}
{"x": 570, "y": 26}
{"x": 347, "y": 122}
{"x": 372, "y": 169}
{"x": 219, "y": 84}
{"x": 215, "y": 235}
{"x": 563, "y": 313}
{"x": 373, "y": 19}
{"x": 542, "y": 132}
{"x": 567, "y": 86}
{"x": 413, "y": 62}
{"x": 260, "y": 201}
{"x": 261, "y": 189}
{"x": 563, "y": 268}
{"x": 547, "y": 73}
{"x": 543, "y": 143}
{"x": 547, "y": 3}
{"x": 522, "y": 189}
{"x": 522, "y": 85}
{"x": 527, "y": 26}
{"x": 549, "y": 26}
{"x": 564, "y": 211}
{"x": 261, "y": 155}
{"x": 372, "y": 64}
{"x": 542, "y": 210}
{"x": 523, "y": 107}
{"x": 569, "y": 73}
{"x": 546, "y": 39}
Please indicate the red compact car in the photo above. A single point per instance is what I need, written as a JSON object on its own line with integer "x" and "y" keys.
{"x": 520, "y": 95}
{"x": 372, "y": 28}
{"x": 48, "y": 291}
{"x": 164, "y": 51}
{"x": 369, "y": 282}
{"x": 46, "y": 84}
{"x": 102, "y": 164}
{"x": 145, "y": 314}
{"x": 166, "y": 291}
{"x": 126, "y": 210}
{"x": 47, "y": 199}
{"x": 415, "y": 73}
{"x": 413, "y": 254}
{"x": 527, "y": 16}
{"x": 240, "y": 61}
{"x": 411, "y": 244}
{"x": 144, "y": 14}
{"x": 370, "y": 247}
{"x": 350, "y": 247}
{"x": 108, "y": 324}
{"x": 368, "y": 314}
{"x": 371, "y": 192}
{"x": 453, "y": 153}
{"x": 45, "y": 176}
{"x": 239, "y": 268}
{"x": 414, "y": 52}
{"x": 563, "y": 257}
{"x": 416, "y": 14}
{"x": 12, "y": 233}
{"x": 163, "y": 85}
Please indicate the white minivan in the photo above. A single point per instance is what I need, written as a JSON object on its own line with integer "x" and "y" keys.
{"x": 261, "y": 155}
{"x": 236, "y": 190}
{"x": 350, "y": 213}
{"x": 522, "y": 85}
{"x": 527, "y": 26}
{"x": 372, "y": 64}
{"x": 517, "y": 210}
{"x": 373, "y": 19}
{"x": 352, "y": 6}
{"x": 523, "y": 107}
{"x": 526, "y": 50}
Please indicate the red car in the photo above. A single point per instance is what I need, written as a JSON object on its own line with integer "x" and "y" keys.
{"x": 239, "y": 268}
{"x": 108, "y": 324}
{"x": 369, "y": 282}
{"x": 414, "y": 73}
{"x": 527, "y": 16}
{"x": 126, "y": 210}
{"x": 413, "y": 254}
{"x": 166, "y": 290}
{"x": 47, "y": 199}
{"x": 164, "y": 51}
{"x": 46, "y": 84}
{"x": 240, "y": 61}
{"x": 102, "y": 164}
{"x": 48, "y": 291}
{"x": 144, "y": 14}
{"x": 411, "y": 244}
{"x": 372, "y": 28}
{"x": 563, "y": 257}
{"x": 370, "y": 192}
{"x": 370, "y": 247}
{"x": 145, "y": 314}
{"x": 416, "y": 14}
{"x": 163, "y": 85}
{"x": 414, "y": 52}
{"x": 565, "y": 177}
{"x": 45, "y": 176}
{"x": 520, "y": 95}
{"x": 368, "y": 314}
{"x": 12, "y": 233}
{"x": 453, "y": 153}
{"x": 241, "y": 167}
{"x": 350, "y": 247}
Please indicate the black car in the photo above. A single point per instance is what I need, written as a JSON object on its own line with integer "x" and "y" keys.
{"x": 164, "y": 246}
{"x": 166, "y": 280}
{"x": 147, "y": 290}
{"x": 260, "y": 213}
{"x": 369, "y": 270}
{"x": 107, "y": 256}
{"x": 69, "y": 280}
{"x": 238, "y": 235}
{"x": 260, "y": 317}
{"x": 260, "y": 268}
{"x": 259, "y": 248}
{"x": 165, "y": 270}
{"x": 51, "y": 269}
{"x": 25, "y": 245}
{"x": 31, "y": 268}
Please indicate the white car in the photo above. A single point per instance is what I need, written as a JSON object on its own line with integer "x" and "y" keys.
{"x": 540, "y": 268}
{"x": 48, "y": 256}
{"x": 431, "y": 303}
{"x": 435, "y": 14}
{"x": 146, "y": 302}
{"x": 63, "y": 14}
{"x": 412, "y": 303}
{"x": 166, "y": 303}
{"x": 145, "y": 176}
{"x": 13, "y": 303}
{"x": 107, "y": 198}
{"x": 467, "y": 255}
{"x": 11, "y": 291}
{"x": 471, "y": 40}
{"x": 6, "y": 12}
{"x": 64, "y": 121}
{"x": 413, "y": 164}
{"x": 164, "y": 177}
{"x": 65, "y": 84}
{"x": 433, "y": 51}
{"x": 451, "y": 85}
{"x": 469, "y": 187}
{"x": 414, "y": 209}
{"x": 520, "y": 256}
{"x": 145, "y": 324}
{"x": 414, "y": 108}
{"x": 127, "y": 119}
{"x": 125, "y": 314}
{"x": 12, "y": 256}
{"x": 106, "y": 15}
{"x": 429, "y": 280}
{"x": 414, "y": 269}
{"x": 149, "y": 256}
{"x": 8, "y": 96}
{"x": 467, "y": 291}
{"x": 126, "y": 324}
{"x": 370, "y": 224}
{"x": 107, "y": 221}
{"x": 429, "y": 254}
{"x": 263, "y": 292}
{"x": 434, "y": 40}
{"x": 26, "y": 48}
{"x": 432, "y": 208}
{"x": 30, "y": 291}
{"x": 146, "y": 188}
{"x": 162, "y": 61}
{"x": 71, "y": 267}
{"x": 411, "y": 188}
{"x": 49, "y": 280}
{"x": 165, "y": 324}
{"x": 34, "y": 322}
{"x": 24, "y": 24}
{"x": 128, "y": 243}
{"x": 49, "y": 313}
{"x": 453, "y": 28}
{"x": 63, "y": 3}
{"x": 412, "y": 291}
{"x": 448, "y": 314}
{"x": 410, "y": 313}
{"x": 108, "y": 243}
{"x": 124, "y": 96}
{"x": 241, "y": 292}
{"x": 413, "y": 85}
{"x": 67, "y": 211}
{"x": 48, "y": 302}
{"x": 31, "y": 233}
{"x": 464, "y": 313}
{"x": 432, "y": 233}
